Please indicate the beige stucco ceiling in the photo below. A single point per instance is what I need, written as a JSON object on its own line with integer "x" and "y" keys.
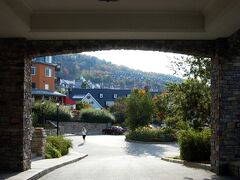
{"x": 123, "y": 19}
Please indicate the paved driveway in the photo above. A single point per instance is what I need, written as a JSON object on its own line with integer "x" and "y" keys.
{"x": 110, "y": 157}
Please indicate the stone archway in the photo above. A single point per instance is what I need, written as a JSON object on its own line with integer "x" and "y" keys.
{"x": 193, "y": 47}
{"x": 15, "y": 90}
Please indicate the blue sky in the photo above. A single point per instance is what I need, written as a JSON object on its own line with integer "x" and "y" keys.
{"x": 149, "y": 61}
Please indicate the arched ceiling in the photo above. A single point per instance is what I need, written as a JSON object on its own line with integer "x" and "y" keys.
{"x": 122, "y": 19}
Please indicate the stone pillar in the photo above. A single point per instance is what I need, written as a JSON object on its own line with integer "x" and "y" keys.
{"x": 38, "y": 141}
{"x": 15, "y": 105}
{"x": 225, "y": 141}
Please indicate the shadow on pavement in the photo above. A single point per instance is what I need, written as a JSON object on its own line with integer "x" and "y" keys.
{"x": 214, "y": 177}
{"x": 81, "y": 144}
{"x": 140, "y": 149}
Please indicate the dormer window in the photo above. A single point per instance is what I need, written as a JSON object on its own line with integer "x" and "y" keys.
{"x": 48, "y": 59}
{"x": 101, "y": 95}
{"x": 115, "y": 96}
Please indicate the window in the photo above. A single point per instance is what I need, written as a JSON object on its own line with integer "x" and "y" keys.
{"x": 101, "y": 95}
{"x": 115, "y": 96}
{"x": 48, "y": 59}
{"x": 33, "y": 85}
{"x": 33, "y": 70}
{"x": 48, "y": 72}
{"x": 46, "y": 86}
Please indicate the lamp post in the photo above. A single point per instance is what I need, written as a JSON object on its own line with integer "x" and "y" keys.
{"x": 42, "y": 113}
{"x": 57, "y": 119}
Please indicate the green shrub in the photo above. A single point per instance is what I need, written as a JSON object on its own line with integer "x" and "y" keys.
{"x": 57, "y": 144}
{"x": 49, "y": 111}
{"x": 51, "y": 151}
{"x": 176, "y": 122}
{"x": 147, "y": 134}
{"x": 96, "y": 116}
{"x": 194, "y": 145}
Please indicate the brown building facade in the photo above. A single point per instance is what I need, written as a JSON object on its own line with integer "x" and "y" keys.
{"x": 43, "y": 76}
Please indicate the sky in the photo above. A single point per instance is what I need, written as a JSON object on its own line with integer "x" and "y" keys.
{"x": 148, "y": 61}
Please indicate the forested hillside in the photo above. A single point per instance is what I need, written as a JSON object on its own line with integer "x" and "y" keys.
{"x": 109, "y": 75}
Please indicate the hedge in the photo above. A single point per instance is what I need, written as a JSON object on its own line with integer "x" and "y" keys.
{"x": 147, "y": 134}
{"x": 194, "y": 145}
{"x": 49, "y": 111}
{"x": 57, "y": 146}
{"x": 96, "y": 116}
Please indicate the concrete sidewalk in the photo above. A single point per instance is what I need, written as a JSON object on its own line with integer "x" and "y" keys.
{"x": 41, "y": 167}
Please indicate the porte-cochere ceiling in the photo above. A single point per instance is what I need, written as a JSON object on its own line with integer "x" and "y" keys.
{"x": 122, "y": 19}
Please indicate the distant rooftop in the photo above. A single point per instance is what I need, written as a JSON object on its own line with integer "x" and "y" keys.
{"x": 46, "y": 93}
{"x": 101, "y": 95}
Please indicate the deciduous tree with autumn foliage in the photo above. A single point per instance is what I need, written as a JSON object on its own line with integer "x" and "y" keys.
{"x": 139, "y": 109}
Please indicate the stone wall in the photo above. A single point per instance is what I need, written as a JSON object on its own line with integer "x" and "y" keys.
{"x": 15, "y": 105}
{"x": 38, "y": 142}
{"x": 76, "y": 127}
{"x": 53, "y": 131}
{"x": 226, "y": 104}
{"x": 204, "y": 48}
{"x": 234, "y": 169}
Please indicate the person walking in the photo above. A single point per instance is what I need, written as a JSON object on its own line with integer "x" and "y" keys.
{"x": 84, "y": 134}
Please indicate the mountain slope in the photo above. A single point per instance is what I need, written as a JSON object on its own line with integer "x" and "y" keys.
{"x": 109, "y": 75}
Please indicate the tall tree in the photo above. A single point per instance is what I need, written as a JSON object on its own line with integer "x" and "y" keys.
{"x": 161, "y": 109}
{"x": 192, "y": 67}
{"x": 190, "y": 100}
{"x": 139, "y": 109}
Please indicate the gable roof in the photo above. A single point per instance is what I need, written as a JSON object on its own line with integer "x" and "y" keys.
{"x": 89, "y": 94}
{"x": 108, "y": 94}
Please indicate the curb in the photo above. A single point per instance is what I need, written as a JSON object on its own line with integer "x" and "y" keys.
{"x": 43, "y": 167}
{"x": 46, "y": 171}
{"x": 189, "y": 164}
{"x": 143, "y": 142}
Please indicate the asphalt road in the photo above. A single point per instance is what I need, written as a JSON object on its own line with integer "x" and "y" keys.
{"x": 112, "y": 158}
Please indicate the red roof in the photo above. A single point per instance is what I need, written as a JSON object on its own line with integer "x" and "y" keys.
{"x": 68, "y": 101}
